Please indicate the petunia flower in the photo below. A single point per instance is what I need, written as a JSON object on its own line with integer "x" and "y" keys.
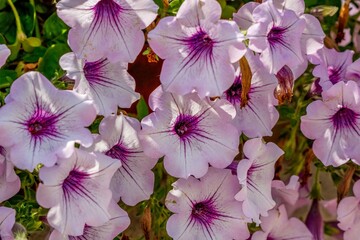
{"x": 282, "y": 33}
{"x": 133, "y": 181}
{"x": 258, "y": 115}
{"x": 77, "y": 192}
{"x": 118, "y": 222}
{"x": 198, "y": 49}
{"x": 348, "y": 214}
{"x": 353, "y": 72}
{"x": 277, "y": 226}
{"x": 285, "y": 194}
{"x": 189, "y": 132}
{"x": 107, "y": 28}
{"x": 7, "y": 221}
{"x": 331, "y": 66}
{"x": 40, "y": 123}
{"x": 334, "y": 124}
{"x": 108, "y": 84}
{"x": 4, "y": 54}
{"x": 9, "y": 181}
{"x": 205, "y": 208}
{"x": 255, "y": 174}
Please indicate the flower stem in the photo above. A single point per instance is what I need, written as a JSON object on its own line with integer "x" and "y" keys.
{"x": 20, "y": 35}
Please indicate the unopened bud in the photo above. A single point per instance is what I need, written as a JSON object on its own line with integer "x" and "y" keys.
{"x": 284, "y": 90}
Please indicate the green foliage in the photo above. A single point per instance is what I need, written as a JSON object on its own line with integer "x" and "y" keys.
{"x": 49, "y": 64}
{"x": 142, "y": 109}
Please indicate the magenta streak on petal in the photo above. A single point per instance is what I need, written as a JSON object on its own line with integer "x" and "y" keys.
{"x": 95, "y": 73}
{"x": 334, "y": 74}
{"x": 91, "y": 232}
{"x": 74, "y": 185}
{"x": 233, "y": 94}
{"x": 276, "y": 36}
{"x": 346, "y": 118}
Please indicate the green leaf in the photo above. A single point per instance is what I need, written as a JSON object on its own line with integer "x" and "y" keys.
{"x": 30, "y": 43}
{"x": 27, "y": 17}
{"x": 227, "y": 12}
{"x": 7, "y": 26}
{"x": 49, "y": 65}
{"x": 34, "y": 55}
{"x": 174, "y": 6}
{"x": 2, "y": 4}
{"x": 142, "y": 109}
{"x": 54, "y": 27}
{"x": 7, "y": 77}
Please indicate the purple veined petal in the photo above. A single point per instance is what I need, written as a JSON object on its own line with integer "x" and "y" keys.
{"x": 118, "y": 139}
{"x": 79, "y": 184}
{"x": 205, "y": 50}
{"x": 9, "y": 181}
{"x": 193, "y": 11}
{"x": 255, "y": 175}
{"x": 244, "y": 17}
{"x": 353, "y": 72}
{"x": 203, "y": 212}
{"x": 42, "y": 132}
{"x": 108, "y": 84}
{"x": 7, "y": 221}
{"x": 116, "y": 22}
{"x": 4, "y": 54}
{"x": 119, "y": 221}
{"x": 189, "y": 135}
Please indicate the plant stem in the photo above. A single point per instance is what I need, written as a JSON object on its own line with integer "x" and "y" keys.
{"x": 20, "y": 35}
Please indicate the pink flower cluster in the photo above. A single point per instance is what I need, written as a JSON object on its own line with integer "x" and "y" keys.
{"x": 198, "y": 115}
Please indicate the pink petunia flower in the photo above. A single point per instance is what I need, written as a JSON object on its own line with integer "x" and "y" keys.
{"x": 255, "y": 174}
{"x": 285, "y": 194}
{"x": 77, "y": 192}
{"x": 190, "y": 132}
{"x": 348, "y": 214}
{"x": 205, "y": 208}
{"x": 40, "y": 123}
{"x": 258, "y": 116}
{"x": 7, "y": 221}
{"x": 279, "y": 30}
{"x": 133, "y": 181}
{"x": 119, "y": 221}
{"x": 4, "y": 54}
{"x": 277, "y": 226}
{"x": 107, "y": 28}
{"x": 331, "y": 66}
{"x": 108, "y": 84}
{"x": 334, "y": 124}
{"x": 9, "y": 181}
{"x": 198, "y": 49}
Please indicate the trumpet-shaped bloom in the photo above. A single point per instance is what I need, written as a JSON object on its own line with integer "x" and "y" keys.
{"x": 205, "y": 208}
{"x": 40, "y": 123}
{"x": 77, "y": 192}
{"x": 331, "y": 66}
{"x": 119, "y": 221}
{"x": 277, "y": 226}
{"x": 107, "y": 28}
{"x": 198, "y": 49}
{"x": 190, "y": 132}
{"x": 348, "y": 214}
{"x": 108, "y": 84}
{"x": 258, "y": 116}
{"x": 4, "y": 54}
{"x": 334, "y": 124}
{"x": 133, "y": 181}
{"x": 9, "y": 181}
{"x": 285, "y": 194}
{"x": 255, "y": 174}
{"x": 281, "y": 33}
{"x": 7, "y": 221}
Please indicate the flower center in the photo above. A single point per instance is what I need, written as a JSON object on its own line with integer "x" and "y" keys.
{"x": 118, "y": 151}
{"x": 107, "y": 8}
{"x": 205, "y": 212}
{"x": 185, "y": 125}
{"x": 42, "y": 123}
{"x": 334, "y": 74}
{"x": 276, "y": 36}
{"x": 233, "y": 94}
{"x": 345, "y": 118}
{"x": 200, "y": 45}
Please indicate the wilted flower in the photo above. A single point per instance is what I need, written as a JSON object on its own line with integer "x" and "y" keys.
{"x": 107, "y": 28}
{"x": 108, "y": 84}
{"x": 77, "y": 192}
{"x": 133, "y": 181}
{"x": 198, "y": 49}
{"x": 334, "y": 124}
{"x": 205, "y": 208}
{"x": 255, "y": 174}
{"x": 40, "y": 123}
{"x": 9, "y": 181}
{"x": 190, "y": 132}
